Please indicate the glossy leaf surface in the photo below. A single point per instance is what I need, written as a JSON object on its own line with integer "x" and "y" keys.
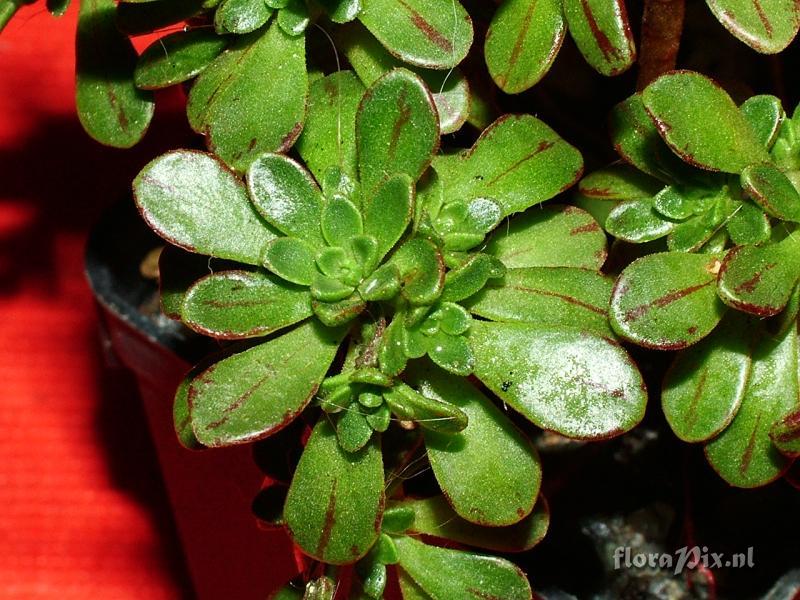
{"x": 550, "y": 236}
{"x": 566, "y": 380}
{"x": 765, "y": 114}
{"x": 701, "y": 123}
{"x": 443, "y": 573}
{"x": 518, "y": 161}
{"x": 667, "y": 300}
{"x": 252, "y": 99}
{"x": 193, "y": 201}
{"x": 785, "y": 434}
{"x": 254, "y": 393}
{"x": 522, "y": 42}
{"x": 773, "y": 191}
{"x": 489, "y": 471}
{"x": 388, "y": 213}
{"x": 176, "y": 58}
{"x": 335, "y": 502}
{"x": 111, "y": 109}
{"x": 602, "y": 33}
{"x": 427, "y": 33}
{"x": 242, "y": 304}
{"x": 767, "y": 26}
{"x": 743, "y": 454}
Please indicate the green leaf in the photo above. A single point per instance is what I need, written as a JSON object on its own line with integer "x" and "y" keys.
{"x": 241, "y": 16}
{"x": 110, "y": 107}
{"x": 329, "y": 135}
{"x": 435, "y": 34}
{"x": 397, "y": 129}
{"x": 785, "y": 434}
{"x": 765, "y": 115}
{"x": 767, "y": 26}
{"x": 341, "y": 221}
{"x": 193, "y": 201}
{"x": 691, "y": 235}
{"x": 489, "y": 471}
{"x": 177, "y": 271}
{"x": 700, "y": 122}
{"x": 518, "y": 161}
{"x": 370, "y": 60}
{"x": 705, "y": 385}
{"x": 471, "y": 277}
{"x": 352, "y": 429}
{"x": 619, "y": 182}
{"x": 431, "y": 413}
{"x": 421, "y": 270}
{"x": 242, "y": 304}
{"x": 743, "y": 454}
{"x": 772, "y": 191}
{"x": 294, "y": 17}
{"x": 338, "y": 313}
{"x": 341, "y": 11}
{"x": 291, "y": 259}
{"x": 675, "y": 203}
{"x": 176, "y": 58}
{"x": 550, "y": 236}
{"x": 329, "y": 289}
{"x": 553, "y": 296}
{"x": 667, "y": 300}
{"x": 252, "y": 99}
{"x": 286, "y": 196}
{"x": 435, "y": 517}
{"x": 602, "y": 33}
{"x": 252, "y": 394}
{"x": 334, "y": 506}
{"x": 181, "y": 414}
{"x": 637, "y": 221}
{"x": 748, "y": 225}
{"x": 444, "y": 573}
{"x": 391, "y": 354}
{"x": 574, "y": 382}
{"x": 383, "y": 284}
{"x": 452, "y": 353}
{"x": 636, "y": 139}
{"x": 522, "y": 42}
{"x": 388, "y": 213}
{"x": 760, "y": 279}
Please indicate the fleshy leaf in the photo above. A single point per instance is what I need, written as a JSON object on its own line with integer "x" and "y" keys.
{"x": 352, "y": 429}
{"x": 193, "y": 201}
{"x": 291, "y": 259}
{"x": 177, "y": 57}
{"x": 383, "y": 284}
{"x": 329, "y": 136}
{"x": 471, "y": 277}
{"x": 435, "y": 517}
{"x": 705, "y": 384}
{"x": 240, "y": 16}
{"x": 110, "y": 107}
{"x": 550, "y": 236}
{"x": 255, "y": 393}
{"x": 421, "y": 270}
{"x": 452, "y": 353}
{"x": 760, "y": 279}
{"x": 431, "y": 413}
{"x": 748, "y": 225}
{"x": 574, "y": 382}
{"x": 637, "y": 221}
{"x": 388, "y": 213}
{"x": 785, "y": 434}
{"x": 667, "y": 300}
{"x": 765, "y": 115}
{"x": 242, "y": 304}
{"x": 489, "y": 471}
{"x": 743, "y": 454}
{"x": 341, "y": 11}
{"x": 445, "y": 573}
{"x": 602, "y": 33}
{"x": 619, "y": 182}
{"x": 294, "y": 18}
{"x": 518, "y": 161}
{"x": 338, "y": 313}
{"x": 397, "y": 129}
{"x": 286, "y": 196}
{"x": 252, "y": 99}
{"x": 522, "y": 42}
{"x": 177, "y": 271}
{"x": 772, "y": 191}
{"x": 701, "y": 123}
{"x": 767, "y": 26}
{"x": 181, "y": 415}
{"x": 553, "y": 296}
{"x": 341, "y": 221}
{"x": 335, "y": 503}
{"x": 435, "y": 34}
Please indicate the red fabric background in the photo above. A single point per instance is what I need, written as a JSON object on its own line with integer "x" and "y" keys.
{"x": 82, "y": 509}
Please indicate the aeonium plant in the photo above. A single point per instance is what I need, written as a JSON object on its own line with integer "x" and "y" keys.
{"x": 711, "y": 187}
{"x": 368, "y": 287}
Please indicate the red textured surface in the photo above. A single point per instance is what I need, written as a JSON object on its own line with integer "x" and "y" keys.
{"x": 82, "y": 507}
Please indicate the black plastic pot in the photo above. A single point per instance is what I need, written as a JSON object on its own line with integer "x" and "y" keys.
{"x": 211, "y": 493}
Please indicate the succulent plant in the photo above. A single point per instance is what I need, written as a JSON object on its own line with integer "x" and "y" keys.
{"x": 715, "y": 181}
{"x": 345, "y": 286}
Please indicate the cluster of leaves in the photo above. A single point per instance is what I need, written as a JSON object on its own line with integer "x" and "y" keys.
{"x": 709, "y": 188}
{"x": 343, "y": 287}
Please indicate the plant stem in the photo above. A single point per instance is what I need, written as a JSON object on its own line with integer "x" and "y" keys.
{"x": 8, "y": 8}
{"x": 662, "y": 24}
